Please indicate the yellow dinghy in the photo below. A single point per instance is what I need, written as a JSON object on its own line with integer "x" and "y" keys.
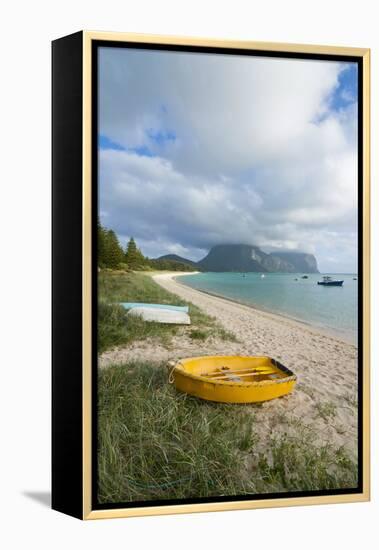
{"x": 232, "y": 379}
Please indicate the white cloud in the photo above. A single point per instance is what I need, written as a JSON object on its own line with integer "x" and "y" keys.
{"x": 259, "y": 157}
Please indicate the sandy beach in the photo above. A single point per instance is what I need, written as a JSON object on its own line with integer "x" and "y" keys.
{"x": 325, "y": 397}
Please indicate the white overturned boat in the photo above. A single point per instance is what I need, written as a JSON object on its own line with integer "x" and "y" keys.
{"x": 160, "y": 315}
{"x": 132, "y": 305}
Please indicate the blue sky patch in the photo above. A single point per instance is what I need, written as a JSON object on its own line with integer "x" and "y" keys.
{"x": 106, "y": 143}
{"x": 142, "y": 151}
{"x": 161, "y": 137}
{"x": 347, "y": 89}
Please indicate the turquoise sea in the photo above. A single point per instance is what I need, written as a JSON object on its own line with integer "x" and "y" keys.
{"x": 334, "y": 309}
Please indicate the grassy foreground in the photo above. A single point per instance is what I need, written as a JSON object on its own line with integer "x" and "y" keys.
{"x": 156, "y": 443}
{"x": 116, "y": 328}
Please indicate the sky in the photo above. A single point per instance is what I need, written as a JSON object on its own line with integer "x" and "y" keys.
{"x": 197, "y": 150}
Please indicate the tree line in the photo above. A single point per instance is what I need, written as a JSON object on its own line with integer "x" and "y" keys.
{"x": 112, "y": 255}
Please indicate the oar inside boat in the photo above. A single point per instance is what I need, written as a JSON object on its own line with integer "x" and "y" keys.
{"x": 232, "y": 379}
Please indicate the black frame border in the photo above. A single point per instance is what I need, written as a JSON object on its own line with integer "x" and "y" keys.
{"x": 67, "y": 258}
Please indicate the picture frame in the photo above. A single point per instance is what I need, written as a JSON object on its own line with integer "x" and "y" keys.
{"x": 76, "y": 126}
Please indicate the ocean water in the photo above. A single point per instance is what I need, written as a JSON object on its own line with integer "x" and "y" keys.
{"x": 333, "y": 309}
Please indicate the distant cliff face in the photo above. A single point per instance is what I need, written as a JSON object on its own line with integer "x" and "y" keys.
{"x": 244, "y": 257}
{"x": 305, "y": 263}
{"x": 231, "y": 258}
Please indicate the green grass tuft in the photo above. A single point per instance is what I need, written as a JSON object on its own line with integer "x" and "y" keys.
{"x": 116, "y": 328}
{"x": 298, "y": 464}
{"x": 198, "y": 334}
{"x": 157, "y": 443}
{"x": 326, "y": 410}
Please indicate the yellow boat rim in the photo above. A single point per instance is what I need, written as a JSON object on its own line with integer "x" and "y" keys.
{"x": 232, "y": 379}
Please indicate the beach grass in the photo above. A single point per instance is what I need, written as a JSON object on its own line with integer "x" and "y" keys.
{"x": 116, "y": 328}
{"x": 156, "y": 444}
{"x": 296, "y": 463}
{"x": 326, "y": 409}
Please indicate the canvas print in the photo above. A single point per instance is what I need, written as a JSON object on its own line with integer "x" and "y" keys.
{"x": 228, "y": 276}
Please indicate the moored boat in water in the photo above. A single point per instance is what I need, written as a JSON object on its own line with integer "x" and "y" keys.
{"x": 329, "y": 281}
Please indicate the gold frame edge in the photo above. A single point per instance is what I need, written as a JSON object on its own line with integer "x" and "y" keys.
{"x": 224, "y": 43}
{"x": 366, "y": 237}
{"x": 364, "y": 496}
{"x": 87, "y": 278}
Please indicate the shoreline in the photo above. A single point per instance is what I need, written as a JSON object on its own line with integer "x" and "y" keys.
{"x": 326, "y": 394}
{"x": 325, "y": 398}
{"x": 302, "y": 324}
{"x": 322, "y": 410}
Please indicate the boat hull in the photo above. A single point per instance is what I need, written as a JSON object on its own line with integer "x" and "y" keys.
{"x": 193, "y": 376}
{"x": 158, "y": 315}
{"x": 330, "y": 283}
{"x": 131, "y": 305}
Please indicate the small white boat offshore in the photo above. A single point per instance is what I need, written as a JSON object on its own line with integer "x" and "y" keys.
{"x": 329, "y": 281}
{"x": 160, "y": 315}
{"x": 263, "y": 276}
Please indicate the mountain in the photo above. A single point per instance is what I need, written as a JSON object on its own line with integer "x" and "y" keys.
{"x": 176, "y": 258}
{"x": 245, "y": 257}
{"x": 233, "y": 257}
{"x": 302, "y": 262}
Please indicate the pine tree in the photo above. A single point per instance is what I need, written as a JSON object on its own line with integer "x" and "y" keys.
{"x": 109, "y": 250}
{"x": 111, "y": 254}
{"x": 114, "y": 253}
{"x": 133, "y": 256}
